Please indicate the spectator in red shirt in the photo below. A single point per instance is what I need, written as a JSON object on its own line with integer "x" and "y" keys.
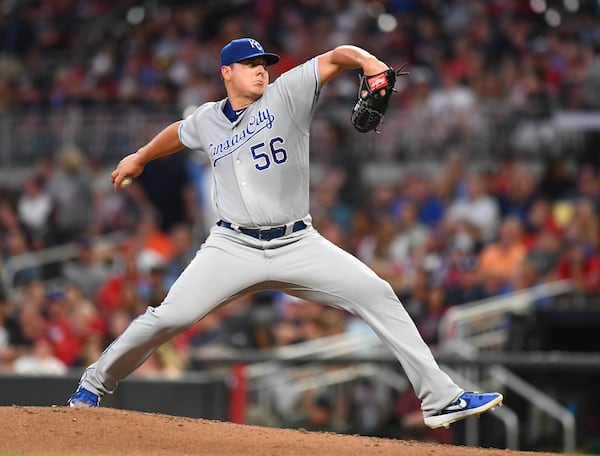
{"x": 582, "y": 265}
{"x": 66, "y": 346}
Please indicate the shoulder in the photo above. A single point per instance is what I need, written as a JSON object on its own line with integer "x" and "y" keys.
{"x": 206, "y": 108}
{"x": 307, "y": 69}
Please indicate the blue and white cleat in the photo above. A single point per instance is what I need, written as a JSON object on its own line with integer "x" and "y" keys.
{"x": 83, "y": 398}
{"x": 468, "y": 404}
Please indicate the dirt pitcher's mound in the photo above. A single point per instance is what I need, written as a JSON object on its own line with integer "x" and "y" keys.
{"x": 106, "y": 431}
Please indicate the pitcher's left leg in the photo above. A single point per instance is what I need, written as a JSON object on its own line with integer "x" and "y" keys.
{"x": 322, "y": 272}
{"x": 221, "y": 270}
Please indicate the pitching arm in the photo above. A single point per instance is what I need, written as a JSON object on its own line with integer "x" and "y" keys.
{"x": 164, "y": 143}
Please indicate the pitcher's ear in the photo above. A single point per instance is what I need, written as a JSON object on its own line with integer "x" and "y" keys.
{"x": 225, "y": 72}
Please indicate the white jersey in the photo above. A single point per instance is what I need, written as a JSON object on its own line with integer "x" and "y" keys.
{"x": 260, "y": 162}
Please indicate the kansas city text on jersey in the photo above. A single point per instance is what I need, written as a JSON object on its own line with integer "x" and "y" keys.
{"x": 256, "y": 123}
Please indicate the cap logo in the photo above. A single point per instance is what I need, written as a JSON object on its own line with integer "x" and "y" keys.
{"x": 255, "y": 44}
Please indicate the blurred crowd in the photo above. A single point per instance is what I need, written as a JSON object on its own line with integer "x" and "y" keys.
{"x": 452, "y": 236}
{"x": 484, "y": 76}
{"x": 61, "y": 52}
{"x": 442, "y": 237}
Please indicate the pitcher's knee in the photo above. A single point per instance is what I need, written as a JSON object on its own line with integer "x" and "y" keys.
{"x": 170, "y": 322}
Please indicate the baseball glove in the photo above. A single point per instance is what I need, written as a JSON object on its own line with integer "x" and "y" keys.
{"x": 372, "y": 103}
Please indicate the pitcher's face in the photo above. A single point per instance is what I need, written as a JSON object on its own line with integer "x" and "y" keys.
{"x": 248, "y": 78}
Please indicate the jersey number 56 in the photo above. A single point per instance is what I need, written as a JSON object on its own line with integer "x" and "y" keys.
{"x": 261, "y": 156}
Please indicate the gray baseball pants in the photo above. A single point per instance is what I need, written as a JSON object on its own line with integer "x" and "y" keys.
{"x": 304, "y": 264}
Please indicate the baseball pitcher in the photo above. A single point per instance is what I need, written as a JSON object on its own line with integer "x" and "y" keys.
{"x": 257, "y": 139}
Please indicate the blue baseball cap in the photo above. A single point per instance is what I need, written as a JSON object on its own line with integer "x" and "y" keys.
{"x": 245, "y": 48}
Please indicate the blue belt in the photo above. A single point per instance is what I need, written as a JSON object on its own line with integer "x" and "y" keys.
{"x": 266, "y": 234}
